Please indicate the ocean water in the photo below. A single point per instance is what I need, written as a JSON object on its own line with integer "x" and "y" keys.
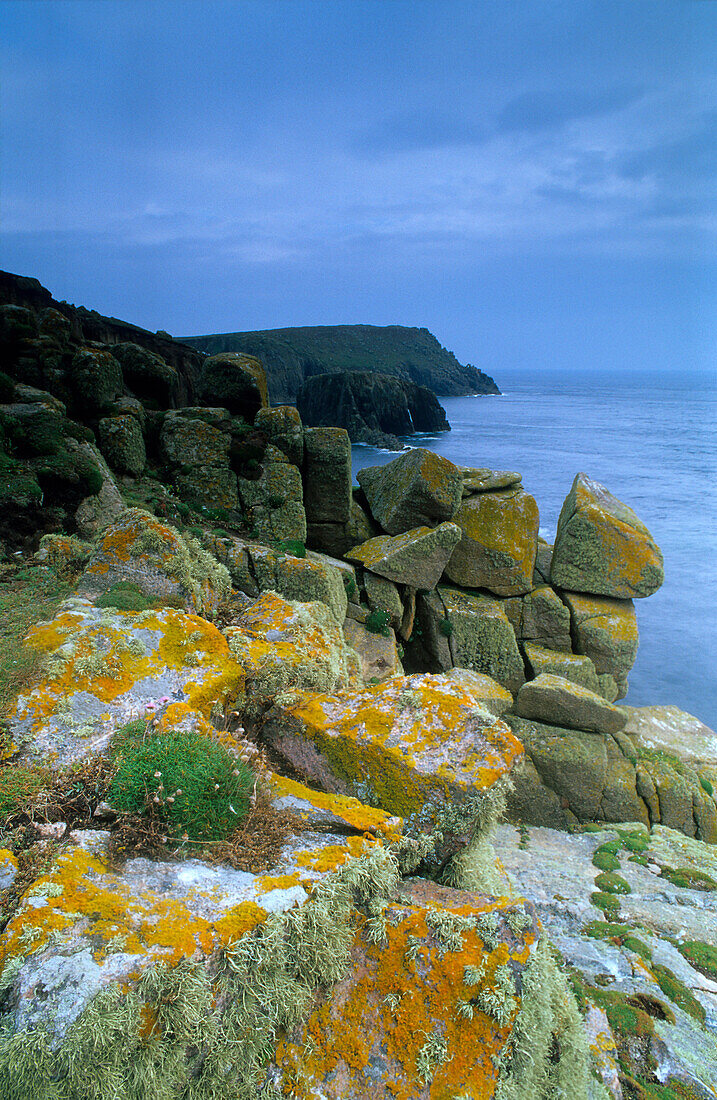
{"x": 653, "y": 442}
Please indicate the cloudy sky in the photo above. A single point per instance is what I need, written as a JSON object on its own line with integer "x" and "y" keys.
{"x": 533, "y": 180}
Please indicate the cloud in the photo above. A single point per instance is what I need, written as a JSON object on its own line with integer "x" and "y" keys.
{"x": 419, "y": 129}
{"x": 549, "y": 109}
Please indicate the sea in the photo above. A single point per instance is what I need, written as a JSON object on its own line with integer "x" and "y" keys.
{"x": 652, "y": 440}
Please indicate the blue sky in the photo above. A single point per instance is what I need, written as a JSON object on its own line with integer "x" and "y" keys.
{"x": 533, "y": 181}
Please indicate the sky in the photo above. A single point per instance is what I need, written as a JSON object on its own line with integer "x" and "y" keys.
{"x": 533, "y": 181}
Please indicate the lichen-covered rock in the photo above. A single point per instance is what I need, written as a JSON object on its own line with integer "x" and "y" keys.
{"x": 337, "y": 538}
{"x": 415, "y": 746}
{"x": 559, "y": 702}
{"x": 574, "y": 776}
{"x": 671, "y": 730}
{"x": 146, "y": 373}
{"x": 122, "y": 444}
{"x": 544, "y": 619}
{"x": 382, "y": 595}
{"x": 602, "y": 547}
{"x": 282, "y": 426}
{"x": 416, "y": 558}
{"x": 498, "y": 542}
{"x": 54, "y": 324}
{"x": 417, "y": 489}
{"x": 192, "y": 442}
{"x": 104, "y": 666}
{"x": 482, "y": 638}
{"x": 327, "y": 475}
{"x": 64, "y": 554}
{"x": 285, "y": 647}
{"x": 605, "y": 630}
{"x": 234, "y": 381}
{"x": 96, "y": 378}
{"x": 319, "y": 810}
{"x": 274, "y": 502}
{"x": 479, "y": 479}
{"x": 377, "y": 653}
{"x": 429, "y": 642}
{"x": 163, "y": 564}
{"x": 571, "y": 666}
{"x": 492, "y": 696}
{"x": 104, "y": 504}
{"x": 425, "y": 1007}
{"x": 215, "y": 486}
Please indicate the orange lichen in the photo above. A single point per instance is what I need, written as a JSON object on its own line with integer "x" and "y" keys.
{"x": 330, "y": 856}
{"x": 365, "y": 819}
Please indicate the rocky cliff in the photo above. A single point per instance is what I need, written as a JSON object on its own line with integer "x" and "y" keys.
{"x": 291, "y": 355}
{"x": 249, "y": 791}
{"x": 373, "y": 408}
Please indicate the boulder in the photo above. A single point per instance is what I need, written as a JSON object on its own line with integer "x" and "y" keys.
{"x": 208, "y": 486}
{"x": 186, "y": 442}
{"x": 377, "y": 653}
{"x": 54, "y": 324}
{"x": 122, "y": 444}
{"x": 96, "y": 378}
{"x": 327, "y": 475}
{"x": 273, "y": 501}
{"x": 571, "y": 666}
{"x": 545, "y": 620}
{"x": 104, "y": 504}
{"x": 419, "y": 488}
{"x": 543, "y": 559}
{"x": 282, "y": 427}
{"x": 482, "y": 480}
{"x": 498, "y": 542}
{"x": 415, "y": 746}
{"x": 556, "y": 701}
{"x": 382, "y": 595}
{"x": 234, "y": 381}
{"x": 601, "y": 547}
{"x": 318, "y": 810}
{"x": 605, "y": 630}
{"x": 428, "y": 642}
{"x": 488, "y": 691}
{"x": 165, "y": 566}
{"x": 416, "y": 558}
{"x": 337, "y": 538}
{"x": 482, "y": 638}
{"x": 147, "y": 374}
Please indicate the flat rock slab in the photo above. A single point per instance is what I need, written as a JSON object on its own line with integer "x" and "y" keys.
{"x": 498, "y": 542}
{"x": 602, "y": 547}
{"x": 368, "y": 1038}
{"x": 552, "y": 699}
{"x": 417, "y": 489}
{"x": 479, "y": 479}
{"x": 482, "y": 638}
{"x": 669, "y": 729}
{"x": 575, "y": 667}
{"x": 319, "y": 810}
{"x": 416, "y": 558}
{"x": 411, "y": 746}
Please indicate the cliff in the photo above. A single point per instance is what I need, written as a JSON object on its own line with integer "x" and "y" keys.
{"x": 372, "y": 408}
{"x": 291, "y": 355}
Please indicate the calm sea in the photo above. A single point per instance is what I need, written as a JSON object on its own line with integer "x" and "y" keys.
{"x": 653, "y": 443}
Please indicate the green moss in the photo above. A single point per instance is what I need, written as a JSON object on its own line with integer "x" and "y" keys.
{"x": 291, "y": 546}
{"x": 607, "y": 902}
{"x": 707, "y": 786}
{"x": 678, "y": 993}
{"x": 689, "y": 878}
{"x": 702, "y": 956}
{"x": 446, "y": 627}
{"x": 188, "y": 781}
{"x": 125, "y": 596}
{"x": 634, "y": 841}
{"x": 377, "y": 622}
{"x": 612, "y": 883}
{"x": 605, "y": 857}
{"x": 350, "y": 586}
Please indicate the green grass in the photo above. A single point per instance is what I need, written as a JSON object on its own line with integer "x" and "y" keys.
{"x": 702, "y": 956}
{"x": 192, "y": 783}
{"x": 689, "y": 878}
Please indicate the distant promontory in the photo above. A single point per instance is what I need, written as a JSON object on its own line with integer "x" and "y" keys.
{"x": 291, "y": 355}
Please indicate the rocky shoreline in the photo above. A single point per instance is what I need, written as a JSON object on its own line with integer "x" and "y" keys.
{"x": 252, "y": 784}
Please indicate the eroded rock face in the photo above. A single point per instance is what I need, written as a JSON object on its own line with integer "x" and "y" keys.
{"x": 282, "y": 426}
{"x": 122, "y": 444}
{"x": 550, "y": 698}
{"x": 481, "y": 637}
{"x": 414, "y": 746}
{"x": 327, "y": 475}
{"x": 416, "y": 558}
{"x": 417, "y": 489}
{"x": 498, "y": 542}
{"x": 605, "y": 630}
{"x": 602, "y": 547}
{"x": 274, "y": 502}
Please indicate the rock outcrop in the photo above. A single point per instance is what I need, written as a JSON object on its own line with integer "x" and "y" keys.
{"x": 373, "y": 408}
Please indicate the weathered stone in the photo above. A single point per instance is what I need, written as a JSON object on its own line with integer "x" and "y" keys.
{"x": 572, "y": 666}
{"x": 417, "y": 489}
{"x": 122, "y": 444}
{"x": 192, "y": 442}
{"x": 543, "y": 558}
{"x": 601, "y": 547}
{"x": 282, "y": 426}
{"x": 416, "y": 558}
{"x": 491, "y": 695}
{"x": 382, "y": 595}
{"x": 98, "y": 510}
{"x": 163, "y": 564}
{"x": 605, "y": 630}
{"x": 337, "y": 538}
{"x": 327, "y": 475}
{"x": 273, "y": 502}
{"x": 545, "y": 620}
{"x": 377, "y": 652}
{"x": 478, "y": 479}
{"x": 209, "y": 486}
{"x": 234, "y": 381}
{"x": 482, "y": 638}
{"x": 429, "y": 645}
{"x": 147, "y": 374}
{"x": 96, "y": 378}
{"x": 558, "y": 702}
{"x": 413, "y": 746}
{"x": 671, "y": 730}
{"x": 319, "y": 810}
{"x": 498, "y": 543}
{"x": 398, "y": 996}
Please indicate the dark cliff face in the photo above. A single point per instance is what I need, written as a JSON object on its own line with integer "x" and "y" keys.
{"x": 370, "y": 405}
{"x": 88, "y": 326}
{"x": 292, "y": 355}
